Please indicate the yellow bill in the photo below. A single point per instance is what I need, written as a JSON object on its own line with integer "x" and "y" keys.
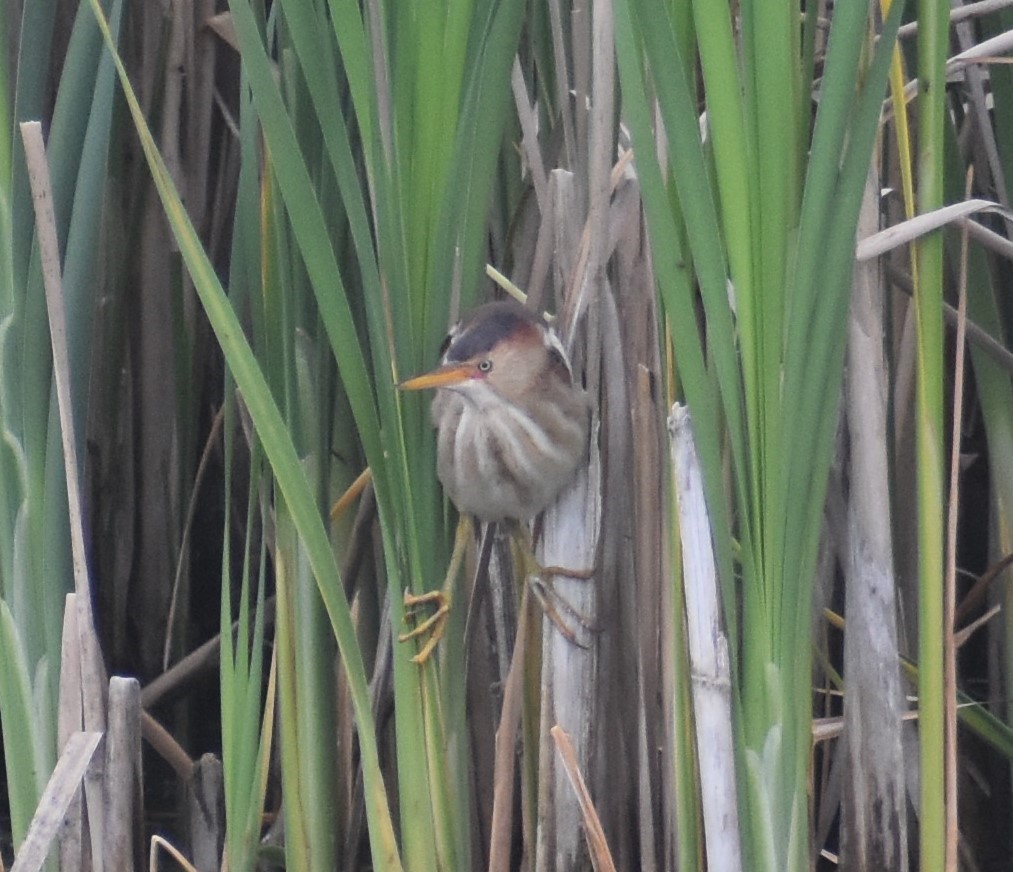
{"x": 444, "y": 376}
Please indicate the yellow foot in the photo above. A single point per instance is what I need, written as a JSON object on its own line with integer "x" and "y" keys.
{"x": 547, "y": 596}
{"x": 435, "y": 625}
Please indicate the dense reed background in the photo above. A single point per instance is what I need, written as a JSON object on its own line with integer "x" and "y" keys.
{"x": 268, "y": 215}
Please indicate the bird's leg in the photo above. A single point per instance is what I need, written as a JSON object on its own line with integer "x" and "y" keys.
{"x": 436, "y": 624}
{"x": 540, "y": 579}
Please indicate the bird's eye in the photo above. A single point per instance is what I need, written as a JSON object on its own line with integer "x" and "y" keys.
{"x": 485, "y": 366}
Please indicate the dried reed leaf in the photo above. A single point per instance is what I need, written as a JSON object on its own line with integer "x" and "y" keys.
{"x": 506, "y": 740}
{"x": 60, "y": 790}
{"x": 92, "y": 670}
{"x": 601, "y": 857}
{"x": 906, "y": 231}
{"x": 158, "y": 842}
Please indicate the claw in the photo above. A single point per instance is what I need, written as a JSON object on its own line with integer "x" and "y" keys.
{"x": 541, "y": 591}
{"x": 579, "y": 574}
{"x": 435, "y": 624}
{"x": 548, "y": 596}
{"x": 540, "y": 579}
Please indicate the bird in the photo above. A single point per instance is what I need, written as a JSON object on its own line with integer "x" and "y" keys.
{"x": 512, "y": 428}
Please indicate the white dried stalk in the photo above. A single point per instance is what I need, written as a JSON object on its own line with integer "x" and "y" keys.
{"x": 710, "y": 672}
{"x": 568, "y": 672}
{"x": 874, "y": 822}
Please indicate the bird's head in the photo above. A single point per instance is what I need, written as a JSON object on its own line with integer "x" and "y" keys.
{"x": 500, "y": 352}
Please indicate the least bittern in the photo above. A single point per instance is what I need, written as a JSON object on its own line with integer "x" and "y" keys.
{"x": 512, "y": 429}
